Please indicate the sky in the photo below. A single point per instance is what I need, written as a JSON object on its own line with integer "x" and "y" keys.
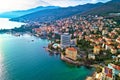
{"x": 12, "y": 5}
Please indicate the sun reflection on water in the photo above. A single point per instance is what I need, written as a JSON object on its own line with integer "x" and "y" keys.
{"x": 2, "y": 67}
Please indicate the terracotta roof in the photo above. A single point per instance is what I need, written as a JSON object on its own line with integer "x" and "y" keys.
{"x": 118, "y": 39}
{"x": 97, "y": 47}
{"x": 100, "y": 39}
{"x": 113, "y": 49}
{"x": 118, "y": 46}
{"x": 72, "y": 49}
{"x": 116, "y": 67}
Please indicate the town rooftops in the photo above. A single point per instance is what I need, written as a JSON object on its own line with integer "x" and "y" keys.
{"x": 117, "y": 67}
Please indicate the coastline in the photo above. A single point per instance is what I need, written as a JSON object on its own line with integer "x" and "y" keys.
{"x": 92, "y": 41}
{"x": 76, "y": 63}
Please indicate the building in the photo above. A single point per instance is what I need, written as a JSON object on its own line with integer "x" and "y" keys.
{"x": 115, "y": 69}
{"x": 118, "y": 47}
{"x": 91, "y": 56}
{"x": 118, "y": 40}
{"x": 118, "y": 58}
{"x": 98, "y": 76}
{"x": 37, "y": 30}
{"x": 71, "y": 53}
{"x": 96, "y": 49}
{"x": 65, "y": 40}
{"x": 89, "y": 78}
{"x": 113, "y": 51}
{"x": 43, "y": 33}
{"x": 108, "y": 73}
{"x": 73, "y": 42}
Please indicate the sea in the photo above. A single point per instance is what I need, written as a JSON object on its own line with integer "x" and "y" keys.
{"x": 24, "y": 58}
{"x": 6, "y": 24}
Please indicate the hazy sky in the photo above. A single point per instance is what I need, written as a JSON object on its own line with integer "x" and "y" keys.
{"x": 10, "y": 5}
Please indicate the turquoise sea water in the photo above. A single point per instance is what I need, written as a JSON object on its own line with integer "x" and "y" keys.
{"x": 22, "y": 59}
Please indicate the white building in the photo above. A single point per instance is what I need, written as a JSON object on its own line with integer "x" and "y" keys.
{"x": 65, "y": 40}
{"x": 91, "y": 56}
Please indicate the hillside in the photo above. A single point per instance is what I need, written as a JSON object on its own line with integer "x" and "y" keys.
{"x": 13, "y": 14}
{"x": 104, "y": 10}
{"x": 54, "y": 14}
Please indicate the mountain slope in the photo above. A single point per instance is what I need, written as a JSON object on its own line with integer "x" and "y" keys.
{"x": 14, "y": 14}
{"x": 54, "y": 14}
{"x": 109, "y": 7}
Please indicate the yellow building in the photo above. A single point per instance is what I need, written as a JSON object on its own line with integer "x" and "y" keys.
{"x": 113, "y": 51}
{"x": 96, "y": 49}
{"x": 71, "y": 53}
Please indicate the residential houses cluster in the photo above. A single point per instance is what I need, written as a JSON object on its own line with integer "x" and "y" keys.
{"x": 102, "y": 33}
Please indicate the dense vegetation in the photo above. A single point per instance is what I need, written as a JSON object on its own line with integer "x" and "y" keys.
{"x": 109, "y": 7}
